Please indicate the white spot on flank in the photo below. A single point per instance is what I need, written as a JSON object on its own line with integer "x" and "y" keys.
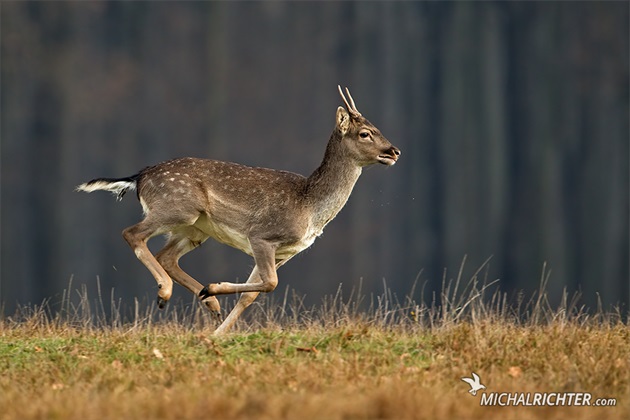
{"x": 172, "y": 179}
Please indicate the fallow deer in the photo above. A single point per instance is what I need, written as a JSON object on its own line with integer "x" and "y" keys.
{"x": 269, "y": 214}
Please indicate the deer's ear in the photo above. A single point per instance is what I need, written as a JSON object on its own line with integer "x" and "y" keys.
{"x": 343, "y": 120}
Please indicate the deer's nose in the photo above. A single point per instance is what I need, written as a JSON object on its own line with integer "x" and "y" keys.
{"x": 395, "y": 151}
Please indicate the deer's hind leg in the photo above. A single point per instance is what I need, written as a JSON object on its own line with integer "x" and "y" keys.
{"x": 137, "y": 237}
{"x": 176, "y": 246}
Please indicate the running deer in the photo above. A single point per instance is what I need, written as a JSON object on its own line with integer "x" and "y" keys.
{"x": 270, "y": 215}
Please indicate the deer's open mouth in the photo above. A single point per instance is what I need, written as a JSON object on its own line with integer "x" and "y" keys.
{"x": 388, "y": 160}
{"x": 389, "y": 156}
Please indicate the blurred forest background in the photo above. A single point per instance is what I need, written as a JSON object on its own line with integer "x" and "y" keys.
{"x": 512, "y": 117}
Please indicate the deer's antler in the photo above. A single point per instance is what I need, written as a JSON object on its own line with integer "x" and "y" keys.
{"x": 352, "y": 108}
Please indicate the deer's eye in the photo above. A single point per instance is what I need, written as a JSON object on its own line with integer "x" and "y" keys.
{"x": 364, "y": 134}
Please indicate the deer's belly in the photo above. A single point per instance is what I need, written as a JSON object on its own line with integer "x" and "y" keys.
{"x": 236, "y": 239}
{"x": 224, "y": 234}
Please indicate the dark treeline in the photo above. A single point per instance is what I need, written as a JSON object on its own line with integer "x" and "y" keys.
{"x": 512, "y": 118}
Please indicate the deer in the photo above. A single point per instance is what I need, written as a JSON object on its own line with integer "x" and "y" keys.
{"x": 271, "y": 215}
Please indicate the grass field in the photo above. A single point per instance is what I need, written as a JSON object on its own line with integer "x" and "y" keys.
{"x": 389, "y": 361}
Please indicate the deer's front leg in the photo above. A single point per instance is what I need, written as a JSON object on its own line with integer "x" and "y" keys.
{"x": 265, "y": 258}
{"x": 244, "y": 301}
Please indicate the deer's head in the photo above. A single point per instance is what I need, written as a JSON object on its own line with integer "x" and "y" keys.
{"x": 363, "y": 141}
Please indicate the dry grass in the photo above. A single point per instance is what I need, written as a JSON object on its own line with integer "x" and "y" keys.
{"x": 337, "y": 361}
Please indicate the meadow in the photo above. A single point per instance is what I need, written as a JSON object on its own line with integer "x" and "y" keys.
{"x": 348, "y": 358}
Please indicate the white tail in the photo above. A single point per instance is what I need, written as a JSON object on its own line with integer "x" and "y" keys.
{"x": 118, "y": 187}
{"x": 269, "y": 214}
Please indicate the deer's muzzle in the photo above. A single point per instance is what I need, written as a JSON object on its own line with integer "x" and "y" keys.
{"x": 390, "y": 156}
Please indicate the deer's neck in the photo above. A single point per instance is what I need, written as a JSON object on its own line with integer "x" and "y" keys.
{"x": 330, "y": 185}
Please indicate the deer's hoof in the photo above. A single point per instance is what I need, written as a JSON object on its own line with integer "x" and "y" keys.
{"x": 204, "y": 293}
{"x": 209, "y": 291}
{"x": 161, "y": 302}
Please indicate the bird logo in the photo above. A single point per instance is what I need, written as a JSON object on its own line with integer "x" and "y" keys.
{"x": 475, "y": 384}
